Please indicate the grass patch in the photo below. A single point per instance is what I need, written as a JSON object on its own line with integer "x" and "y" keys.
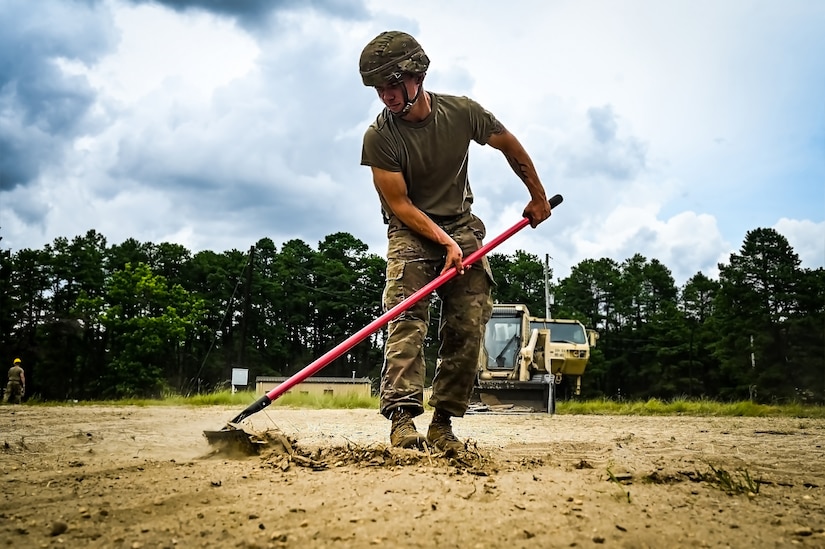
{"x": 348, "y": 402}
{"x": 615, "y": 480}
{"x": 739, "y": 482}
{"x": 651, "y": 407}
{"x": 241, "y": 399}
{"x": 292, "y": 399}
{"x": 688, "y": 407}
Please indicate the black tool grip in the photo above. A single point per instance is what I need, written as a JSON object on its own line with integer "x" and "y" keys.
{"x": 556, "y": 200}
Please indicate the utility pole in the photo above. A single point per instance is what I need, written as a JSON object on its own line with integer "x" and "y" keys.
{"x": 548, "y": 299}
{"x": 246, "y": 306}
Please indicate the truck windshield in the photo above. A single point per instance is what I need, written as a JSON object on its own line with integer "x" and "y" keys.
{"x": 502, "y": 339}
{"x": 562, "y": 332}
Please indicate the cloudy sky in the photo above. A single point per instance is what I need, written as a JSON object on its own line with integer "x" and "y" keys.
{"x": 671, "y": 128}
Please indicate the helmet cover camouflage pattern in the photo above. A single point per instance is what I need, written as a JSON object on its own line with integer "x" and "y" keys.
{"x": 390, "y": 55}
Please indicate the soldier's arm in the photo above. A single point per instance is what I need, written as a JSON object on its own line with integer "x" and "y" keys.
{"x": 538, "y": 209}
{"x": 393, "y": 189}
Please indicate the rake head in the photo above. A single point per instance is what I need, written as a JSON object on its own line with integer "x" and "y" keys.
{"x": 234, "y": 439}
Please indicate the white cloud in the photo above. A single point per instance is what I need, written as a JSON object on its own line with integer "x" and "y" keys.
{"x": 159, "y": 49}
{"x": 807, "y": 238}
{"x": 667, "y": 127}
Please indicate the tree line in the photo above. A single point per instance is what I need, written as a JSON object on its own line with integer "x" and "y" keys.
{"x": 92, "y": 320}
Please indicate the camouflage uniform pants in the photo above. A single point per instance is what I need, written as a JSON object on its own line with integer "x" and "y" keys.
{"x": 412, "y": 262}
{"x": 14, "y": 392}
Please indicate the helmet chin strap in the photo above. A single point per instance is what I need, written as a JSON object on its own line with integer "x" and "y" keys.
{"x": 408, "y": 103}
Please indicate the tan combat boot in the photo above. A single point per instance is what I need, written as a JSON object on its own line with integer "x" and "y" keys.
{"x": 402, "y": 432}
{"x": 440, "y": 434}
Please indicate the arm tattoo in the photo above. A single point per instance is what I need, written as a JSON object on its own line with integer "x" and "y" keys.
{"x": 518, "y": 167}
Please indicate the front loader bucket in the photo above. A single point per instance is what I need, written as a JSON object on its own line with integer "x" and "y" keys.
{"x": 515, "y": 396}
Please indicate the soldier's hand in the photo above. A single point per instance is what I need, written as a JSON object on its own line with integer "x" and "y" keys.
{"x": 536, "y": 211}
{"x": 454, "y": 258}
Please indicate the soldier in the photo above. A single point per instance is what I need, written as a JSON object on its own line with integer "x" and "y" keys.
{"x": 417, "y": 150}
{"x": 16, "y": 387}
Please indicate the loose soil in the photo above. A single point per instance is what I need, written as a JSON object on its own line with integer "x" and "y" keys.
{"x": 135, "y": 477}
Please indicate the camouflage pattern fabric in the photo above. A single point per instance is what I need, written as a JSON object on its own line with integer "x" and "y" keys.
{"x": 389, "y": 56}
{"x": 14, "y": 393}
{"x": 412, "y": 262}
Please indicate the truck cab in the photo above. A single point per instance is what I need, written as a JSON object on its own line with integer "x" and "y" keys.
{"x": 524, "y": 358}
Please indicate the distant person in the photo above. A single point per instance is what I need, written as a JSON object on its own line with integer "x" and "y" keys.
{"x": 417, "y": 150}
{"x": 16, "y": 387}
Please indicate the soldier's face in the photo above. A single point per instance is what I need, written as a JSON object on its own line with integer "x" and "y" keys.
{"x": 392, "y": 95}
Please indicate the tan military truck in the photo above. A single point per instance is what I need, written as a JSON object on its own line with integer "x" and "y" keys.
{"x": 524, "y": 359}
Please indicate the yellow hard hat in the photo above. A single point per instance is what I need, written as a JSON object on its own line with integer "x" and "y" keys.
{"x": 17, "y": 361}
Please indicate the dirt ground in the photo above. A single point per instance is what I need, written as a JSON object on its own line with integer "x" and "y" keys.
{"x": 140, "y": 477}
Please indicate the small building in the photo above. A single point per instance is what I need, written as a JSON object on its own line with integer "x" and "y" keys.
{"x": 339, "y": 386}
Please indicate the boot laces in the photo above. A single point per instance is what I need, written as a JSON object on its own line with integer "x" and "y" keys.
{"x": 445, "y": 431}
{"x": 404, "y": 428}
{"x": 402, "y": 423}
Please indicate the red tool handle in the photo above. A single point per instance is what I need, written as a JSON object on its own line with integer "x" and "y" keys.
{"x": 356, "y": 338}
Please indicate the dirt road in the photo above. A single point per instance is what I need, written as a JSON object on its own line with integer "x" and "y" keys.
{"x": 132, "y": 477}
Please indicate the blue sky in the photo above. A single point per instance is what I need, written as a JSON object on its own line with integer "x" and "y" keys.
{"x": 671, "y": 128}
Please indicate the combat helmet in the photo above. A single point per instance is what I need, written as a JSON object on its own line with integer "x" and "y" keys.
{"x": 389, "y": 56}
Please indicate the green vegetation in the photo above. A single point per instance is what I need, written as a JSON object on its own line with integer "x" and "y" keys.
{"x": 241, "y": 399}
{"x": 96, "y": 321}
{"x": 688, "y": 407}
{"x": 296, "y": 400}
{"x": 625, "y": 494}
{"x": 739, "y": 482}
{"x": 652, "y": 407}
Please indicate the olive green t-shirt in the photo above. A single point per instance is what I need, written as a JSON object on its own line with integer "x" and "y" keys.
{"x": 14, "y": 373}
{"x": 431, "y": 154}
